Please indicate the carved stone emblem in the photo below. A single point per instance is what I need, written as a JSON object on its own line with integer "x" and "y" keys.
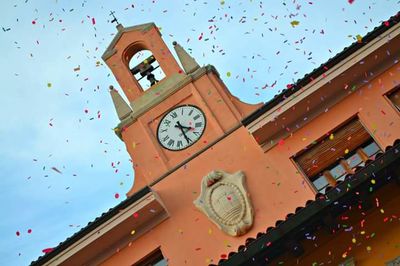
{"x": 225, "y": 201}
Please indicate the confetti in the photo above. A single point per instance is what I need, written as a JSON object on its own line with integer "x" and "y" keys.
{"x": 116, "y": 195}
{"x": 47, "y": 250}
{"x": 294, "y": 23}
{"x": 56, "y": 170}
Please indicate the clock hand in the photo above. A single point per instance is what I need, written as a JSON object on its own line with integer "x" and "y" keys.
{"x": 181, "y": 126}
{"x": 183, "y": 132}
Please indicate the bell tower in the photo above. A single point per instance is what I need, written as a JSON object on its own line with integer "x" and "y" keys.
{"x": 173, "y": 113}
{"x": 127, "y": 44}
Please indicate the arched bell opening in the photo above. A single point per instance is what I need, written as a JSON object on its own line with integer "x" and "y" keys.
{"x": 145, "y": 68}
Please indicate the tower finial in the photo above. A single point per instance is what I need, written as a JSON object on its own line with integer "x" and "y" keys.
{"x": 112, "y": 13}
{"x": 122, "y": 108}
{"x": 189, "y": 64}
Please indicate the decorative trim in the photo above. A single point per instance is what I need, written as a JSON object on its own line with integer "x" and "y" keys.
{"x": 110, "y": 49}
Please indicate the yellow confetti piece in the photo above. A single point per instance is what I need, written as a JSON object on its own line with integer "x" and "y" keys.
{"x": 331, "y": 137}
{"x": 373, "y": 181}
{"x": 228, "y": 74}
{"x": 133, "y": 145}
{"x": 209, "y": 231}
{"x": 222, "y": 2}
{"x": 133, "y": 232}
{"x": 294, "y": 23}
{"x": 369, "y": 248}
{"x": 226, "y": 243}
{"x": 208, "y": 260}
{"x": 49, "y": 85}
{"x": 382, "y": 211}
{"x": 359, "y": 38}
{"x": 362, "y": 232}
{"x": 346, "y": 151}
{"x": 354, "y": 240}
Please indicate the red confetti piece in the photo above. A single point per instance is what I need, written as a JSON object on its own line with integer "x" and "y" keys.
{"x": 116, "y": 195}
{"x": 29, "y": 231}
{"x": 223, "y": 256}
{"x": 47, "y": 250}
{"x": 18, "y": 233}
{"x": 229, "y": 198}
{"x": 33, "y": 22}
{"x": 350, "y": 1}
{"x": 387, "y": 24}
{"x": 86, "y": 111}
{"x": 93, "y": 21}
{"x": 135, "y": 215}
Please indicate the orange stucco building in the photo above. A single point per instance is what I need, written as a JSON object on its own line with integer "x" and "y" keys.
{"x": 309, "y": 178}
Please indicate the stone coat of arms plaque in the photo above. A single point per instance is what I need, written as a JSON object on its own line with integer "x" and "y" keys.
{"x": 225, "y": 201}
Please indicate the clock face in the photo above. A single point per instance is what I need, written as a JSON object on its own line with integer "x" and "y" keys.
{"x": 181, "y": 127}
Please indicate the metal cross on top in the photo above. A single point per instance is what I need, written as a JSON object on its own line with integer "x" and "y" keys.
{"x": 114, "y": 18}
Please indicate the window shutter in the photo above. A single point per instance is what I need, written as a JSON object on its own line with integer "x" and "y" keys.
{"x": 326, "y": 152}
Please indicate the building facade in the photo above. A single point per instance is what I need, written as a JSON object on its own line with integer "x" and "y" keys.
{"x": 308, "y": 178}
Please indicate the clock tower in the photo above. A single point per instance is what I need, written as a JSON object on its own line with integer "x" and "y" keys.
{"x": 174, "y": 111}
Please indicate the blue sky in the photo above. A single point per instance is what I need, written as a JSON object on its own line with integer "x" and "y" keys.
{"x": 54, "y": 116}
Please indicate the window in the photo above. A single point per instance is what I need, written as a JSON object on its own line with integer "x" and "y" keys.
{"x": 155, "y": 258}
{"x": 394, "y": 262}
{"x": 394, "y": 97}
{"x": 337, "y": 155}
{"x": 145, "y": 68}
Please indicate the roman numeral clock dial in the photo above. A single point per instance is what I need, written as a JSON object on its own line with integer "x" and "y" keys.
{"x": 181, "y": 127}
